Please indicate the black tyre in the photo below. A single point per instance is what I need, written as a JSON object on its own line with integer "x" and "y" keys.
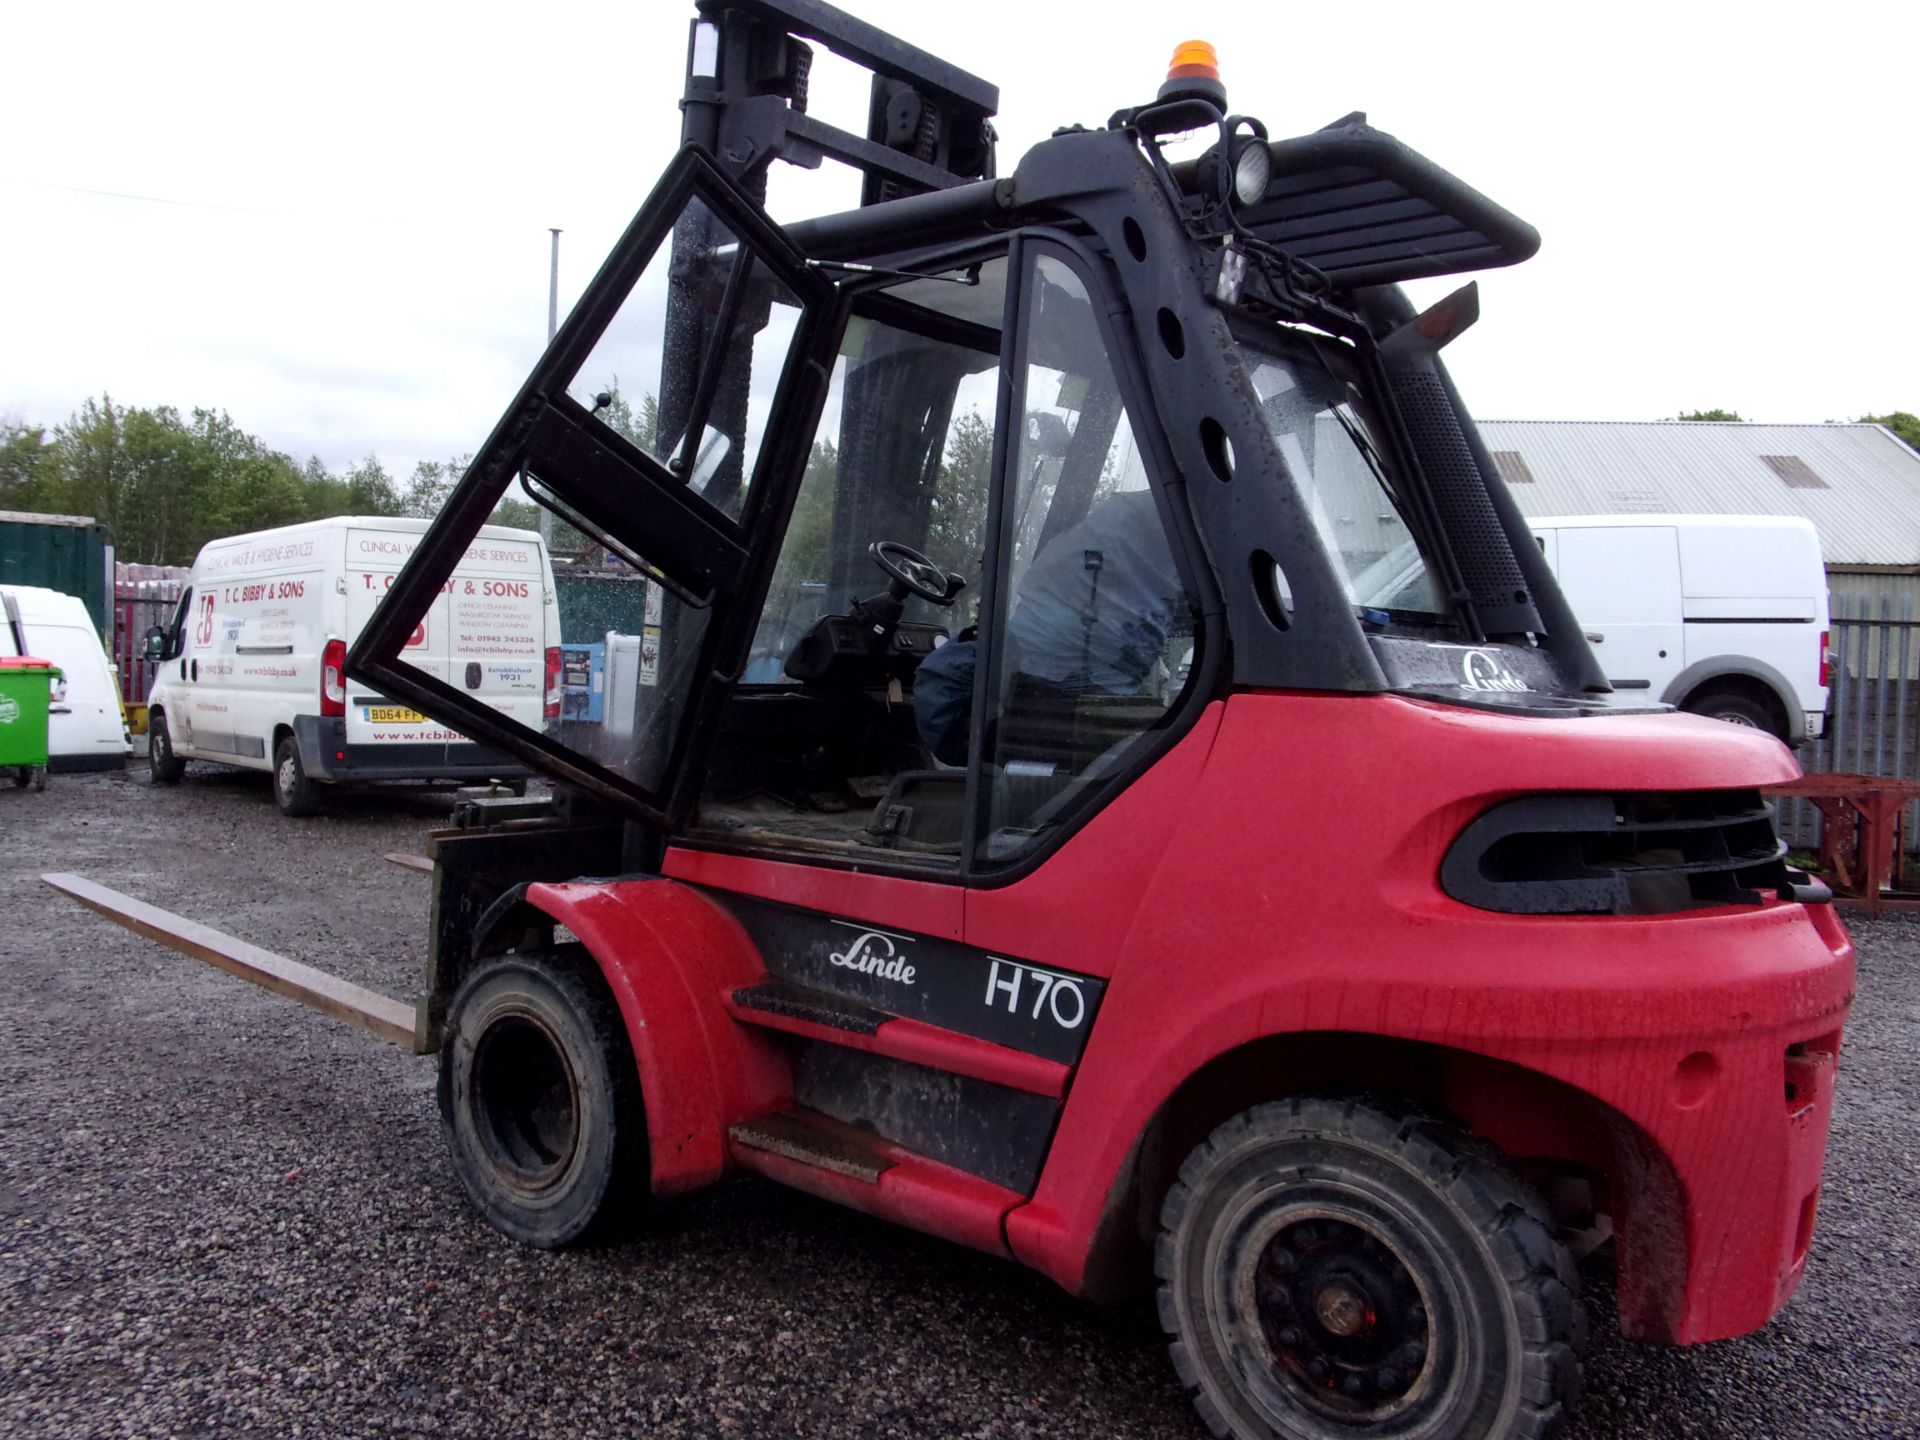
{"x": 163, "y": 766}
{"x": 540, "y": 1100}
{"x": 293, "y": 791}
{"x": 1349, "y": 1268}
{"x": 1735, "y": 709}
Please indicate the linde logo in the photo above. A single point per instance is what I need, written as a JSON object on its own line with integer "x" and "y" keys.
{"x": 874, "y": 952}
{"x": 1484, "y": 671}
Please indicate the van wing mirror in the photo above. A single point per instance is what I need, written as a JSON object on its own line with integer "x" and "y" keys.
{"x": 156, "y": 644}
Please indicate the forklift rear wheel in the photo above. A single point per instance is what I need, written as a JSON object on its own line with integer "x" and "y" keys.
{"x": 540, "y": 1100}
{"x": 293, "y": 791}
{"x": 1351, "y": 1267}
{"x": 163, "y": 766}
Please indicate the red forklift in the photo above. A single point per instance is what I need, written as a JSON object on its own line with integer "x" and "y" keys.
{"x": 1093, "y": 766}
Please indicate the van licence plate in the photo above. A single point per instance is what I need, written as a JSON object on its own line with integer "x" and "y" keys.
{"x": 393, "y": 715}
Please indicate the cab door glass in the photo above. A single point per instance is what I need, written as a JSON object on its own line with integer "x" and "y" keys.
{"x": 664, "y": 427}
{"x": 687, "y": 369}
{"x": 1096, "y": 635}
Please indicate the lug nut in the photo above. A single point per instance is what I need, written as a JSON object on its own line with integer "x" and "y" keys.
{"x": 1290, "y": 1337}
{"x": 1355, "y": 1385}
{"x": 1317, "y": 1368}
{"x": 1388, "y": 1379}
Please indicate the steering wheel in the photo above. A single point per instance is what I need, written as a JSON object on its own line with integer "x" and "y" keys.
{"x": 919, "y": 575}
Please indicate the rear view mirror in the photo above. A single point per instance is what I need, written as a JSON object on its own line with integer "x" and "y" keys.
{"x": 156, "y": 644}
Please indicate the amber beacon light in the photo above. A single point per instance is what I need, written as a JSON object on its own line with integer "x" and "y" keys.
{"x": 1195, "y": 72}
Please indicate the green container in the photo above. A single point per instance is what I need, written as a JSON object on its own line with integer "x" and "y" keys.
{"x": 26, "y": 690}
{"x": 68, "y": 553}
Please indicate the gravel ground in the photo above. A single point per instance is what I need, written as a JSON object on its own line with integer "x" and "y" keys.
{"x": 221, "y": 1214}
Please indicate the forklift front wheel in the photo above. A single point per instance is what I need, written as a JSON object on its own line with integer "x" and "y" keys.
{"x": 540, "y": 1100}
{"x": 1347, "y": 1268}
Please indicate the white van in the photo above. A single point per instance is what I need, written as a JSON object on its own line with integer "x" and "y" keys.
{"x": 1723, "y": 615}
{"x": 253, "y": 665}
{"x": 86, "y": 729}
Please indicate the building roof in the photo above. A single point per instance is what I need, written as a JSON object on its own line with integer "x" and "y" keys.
{"x": 1858, "y": 484}
{"x": 32, "y": 517}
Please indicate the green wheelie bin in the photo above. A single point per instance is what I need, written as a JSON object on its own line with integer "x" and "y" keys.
{"x": 26, "y": 690}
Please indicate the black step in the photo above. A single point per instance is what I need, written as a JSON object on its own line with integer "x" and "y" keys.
{"x": 801, "y": 1002}
{"x": 814, "y": 1140}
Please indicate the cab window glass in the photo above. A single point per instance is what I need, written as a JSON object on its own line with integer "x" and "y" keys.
{"x": 823, "y": 745}
{"x": 1098, "y": 634}
{"x": 1311, "y": 401}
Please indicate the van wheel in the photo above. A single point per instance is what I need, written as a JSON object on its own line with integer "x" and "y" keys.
{"x": 293, "y": 792}
{"x": 163, "y": 766}
{"x": 540, "y": 1100}
{"x": 1344, "y": 1268}
{"x": 1735, "y": 709}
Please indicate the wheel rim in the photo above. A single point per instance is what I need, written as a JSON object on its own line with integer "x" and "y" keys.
{"x": 287, "y": 776}
{"x": 1334, "y": 1316}
{"x": 1728, "y": 717}
{"x": 525, "y": 1102}
{"x": 1344, "y": 1317}
{"x": 162, "y": 748}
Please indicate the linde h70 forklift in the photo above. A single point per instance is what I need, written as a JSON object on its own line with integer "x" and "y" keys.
{"x": 1099, "y": 772}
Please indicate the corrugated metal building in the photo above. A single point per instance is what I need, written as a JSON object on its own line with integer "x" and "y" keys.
{"x": 1859, "y": 484}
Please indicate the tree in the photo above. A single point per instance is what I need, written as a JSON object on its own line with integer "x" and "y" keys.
{"x": 432, "y": 483}
{"x": 369, "y": 489}
{"x": 520, "y": 514}
{"x": 24, "y": 467}
{"x": 957, "y": 523}
{"x": 1903, "y": 423}
{"x": 1708, "y": 415}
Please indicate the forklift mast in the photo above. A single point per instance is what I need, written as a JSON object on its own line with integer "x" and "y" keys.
{"x": 929, "y": 123}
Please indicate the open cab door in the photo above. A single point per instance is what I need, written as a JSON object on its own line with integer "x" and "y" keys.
{"x": 668, "y": 423}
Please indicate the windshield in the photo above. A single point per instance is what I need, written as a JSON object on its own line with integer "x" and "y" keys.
{"x": 1314, "y": 410}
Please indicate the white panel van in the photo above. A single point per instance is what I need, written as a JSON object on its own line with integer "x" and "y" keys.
{"x": 253, "y": 668}
{"x": 86, "y": 729}
{"x": 1723, "y": 615}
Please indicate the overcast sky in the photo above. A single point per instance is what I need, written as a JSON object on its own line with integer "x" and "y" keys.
{"x": 331, "y": 220}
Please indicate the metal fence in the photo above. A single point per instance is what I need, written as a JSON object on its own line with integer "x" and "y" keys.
{"x": 1873, "y": 717}
{"x": 138, "y": 606}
